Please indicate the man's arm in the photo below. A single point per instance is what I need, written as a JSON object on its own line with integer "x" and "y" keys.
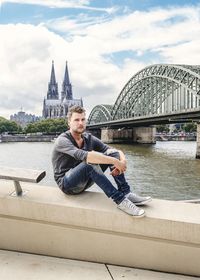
{"x": 99, "y": 158}
{"x": 122, "y": 158}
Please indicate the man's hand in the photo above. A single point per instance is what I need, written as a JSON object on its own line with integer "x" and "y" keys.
{"x": 120, "y": 167}
{"x": 115, "y": 172}
{"x": 99, "y": 158}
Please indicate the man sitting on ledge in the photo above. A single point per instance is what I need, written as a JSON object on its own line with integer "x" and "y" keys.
{"x": 80, "y": 159}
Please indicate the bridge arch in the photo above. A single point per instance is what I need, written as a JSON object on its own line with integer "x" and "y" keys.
{"x": 100, "y": 113}
{"x": 156, "y": 89}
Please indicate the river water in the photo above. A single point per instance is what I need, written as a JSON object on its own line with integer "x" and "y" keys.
{"x": 166, "y": 170}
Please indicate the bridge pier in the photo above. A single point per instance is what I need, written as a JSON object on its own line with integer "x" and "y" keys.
{"x": 107, "y": 135}
{"x": 144, "y": 135}
{"x": 198, "y": 141}
{"x": 116, "y": 135}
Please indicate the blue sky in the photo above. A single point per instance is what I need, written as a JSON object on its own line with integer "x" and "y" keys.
{"x": 104, "y": 42}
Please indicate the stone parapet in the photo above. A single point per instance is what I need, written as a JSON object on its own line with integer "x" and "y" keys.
{"x": 90, "y": 227}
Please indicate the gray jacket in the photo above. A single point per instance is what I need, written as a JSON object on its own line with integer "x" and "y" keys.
{"x": 66, "y": 153}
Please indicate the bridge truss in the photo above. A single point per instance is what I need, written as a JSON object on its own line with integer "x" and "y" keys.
{"x": 156, "y": 90}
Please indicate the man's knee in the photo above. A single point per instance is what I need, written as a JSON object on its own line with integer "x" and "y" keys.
{"x": 70, "y": 189}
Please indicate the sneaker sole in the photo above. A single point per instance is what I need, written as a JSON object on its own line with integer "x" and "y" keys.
{"x": 143, "y": 202}
{"x": 140, "y": 216}
{"x": 134, "y": 216}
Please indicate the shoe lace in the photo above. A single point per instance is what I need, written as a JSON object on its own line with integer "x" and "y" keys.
{"x": 129, "y": 204}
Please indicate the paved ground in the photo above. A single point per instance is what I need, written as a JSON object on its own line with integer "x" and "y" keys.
{"x": 20, "y": 266}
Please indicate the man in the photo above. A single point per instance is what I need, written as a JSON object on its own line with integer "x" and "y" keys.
{"x": 80, "y": 159}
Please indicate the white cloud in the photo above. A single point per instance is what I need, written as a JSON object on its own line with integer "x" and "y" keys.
{"x": 50, "y": 3}
{"x": 27, "y": 50}
{"x": 76, "y": 4}
{"x": 25, "y": 56}
{"x": 138, "y": 31}
{"x": 186, "y": 53}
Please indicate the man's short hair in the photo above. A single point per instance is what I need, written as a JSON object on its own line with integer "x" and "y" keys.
{"x": 75, "y": 109}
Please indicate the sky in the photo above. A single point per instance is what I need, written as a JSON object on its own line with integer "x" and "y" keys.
{"x": 105, "y": 43}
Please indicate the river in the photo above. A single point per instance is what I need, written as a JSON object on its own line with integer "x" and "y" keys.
{"x": 166, "y": 170}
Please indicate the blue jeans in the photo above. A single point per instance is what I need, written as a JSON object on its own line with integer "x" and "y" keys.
{"x": 84, "y": 175}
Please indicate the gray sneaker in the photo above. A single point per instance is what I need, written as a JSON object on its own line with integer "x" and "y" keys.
{"x": 138, "y": 200}
{"x": 127, "y": 206}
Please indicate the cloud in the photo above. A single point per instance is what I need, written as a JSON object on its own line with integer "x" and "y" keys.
{"x": 185, "y": 53}
{"x": 137, "y": 31}
{"x": 76, "y": 4}
{"x": 51, "y": 3}
{"x": 26, "y": 54}
{"x": 92, "y": 47}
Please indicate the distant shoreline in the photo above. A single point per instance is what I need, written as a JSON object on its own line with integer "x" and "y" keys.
{"x": 51, "y": 138}
{"x": 27, "y": 138}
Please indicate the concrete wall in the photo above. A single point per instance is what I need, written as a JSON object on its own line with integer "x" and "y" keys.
{"x": 116, "y": 136}
{"x": 198, "y": 141}
{"x": 90, "y": 227}
{"x": 145, "y": 135}
{"x": 27, "y": 138}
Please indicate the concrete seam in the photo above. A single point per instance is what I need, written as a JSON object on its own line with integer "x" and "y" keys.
{"x": 109, "y": 272}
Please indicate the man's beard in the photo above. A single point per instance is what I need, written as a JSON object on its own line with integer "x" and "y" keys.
{"x": 79, "y": 130}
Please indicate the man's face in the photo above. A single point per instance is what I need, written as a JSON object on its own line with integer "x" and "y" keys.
{"x": 77, "y": 123}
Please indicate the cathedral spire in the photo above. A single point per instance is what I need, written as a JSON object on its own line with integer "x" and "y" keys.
{"x": 52, "y": 92}
{"x": 53, "y": 77}
{"x": 66, "y": 86}
{"x": 66, "y": 77}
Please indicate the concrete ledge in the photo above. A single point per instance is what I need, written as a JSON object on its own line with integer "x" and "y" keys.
{"x": 90, "y": 227}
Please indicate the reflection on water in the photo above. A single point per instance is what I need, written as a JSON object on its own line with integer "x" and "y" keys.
{"x": 165, "y": 170}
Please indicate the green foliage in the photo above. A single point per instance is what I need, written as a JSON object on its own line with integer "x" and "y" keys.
{"x": 9, "y": 126}
{"x": 190, "y": 127}
{"x": 162, "y": 128}
{"x": 47, "y": 126}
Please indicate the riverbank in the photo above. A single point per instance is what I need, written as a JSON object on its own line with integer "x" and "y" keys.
{"x": 175, "y": 137}
{"x": 27, "y": 138}
{"x": 51, "y": 138}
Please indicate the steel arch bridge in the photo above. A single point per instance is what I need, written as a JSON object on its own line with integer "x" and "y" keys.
{"x": 156, "y": 90}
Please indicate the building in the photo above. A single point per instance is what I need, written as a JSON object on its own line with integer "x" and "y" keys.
{"x": 53, "y": 106}
{"x": 23, "y": 119}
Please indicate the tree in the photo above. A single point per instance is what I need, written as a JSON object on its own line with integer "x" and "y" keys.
{"x": 162, "y": 128}
{"x": 47, "y": 126}
{"x": 9, "y": 126}
{"x": 190, "y": 127}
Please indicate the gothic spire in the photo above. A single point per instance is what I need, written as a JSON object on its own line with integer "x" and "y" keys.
{"x": 66, "y": 77}
{"x": 53, "y": 77}
{"x": 66, "y": 86}
{"x": 52, "y": 92}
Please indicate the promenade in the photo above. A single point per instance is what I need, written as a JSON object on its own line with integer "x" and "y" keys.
{"x": 90, "y": 228}
{"x": 20, "y": 266}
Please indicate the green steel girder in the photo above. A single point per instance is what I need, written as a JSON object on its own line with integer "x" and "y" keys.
{"x": 156, "y": 89}
{"x": 100, "y": 113}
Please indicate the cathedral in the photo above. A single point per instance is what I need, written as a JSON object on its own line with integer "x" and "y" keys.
{"x": 53, "y": 106}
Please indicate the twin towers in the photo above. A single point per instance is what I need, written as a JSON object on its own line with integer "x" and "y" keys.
{"x": 53, "y": 106}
